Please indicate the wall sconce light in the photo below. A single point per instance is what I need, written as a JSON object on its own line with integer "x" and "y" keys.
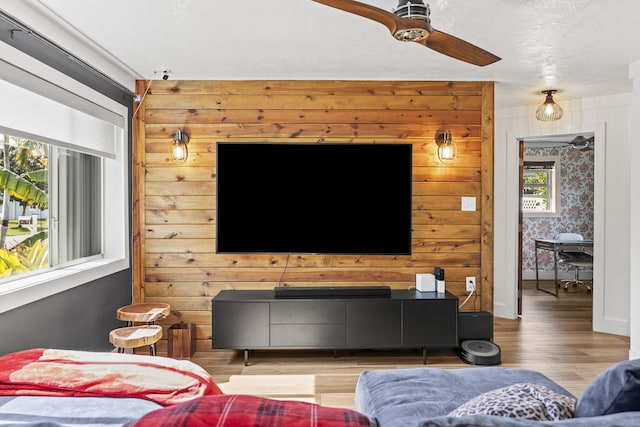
{"x": 179, "y": 149}
{"x": 549, "y": 110}
{"x": 446, "y": 147}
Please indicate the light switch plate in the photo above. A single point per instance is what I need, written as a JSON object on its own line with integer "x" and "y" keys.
{"x": 468, "y": 203}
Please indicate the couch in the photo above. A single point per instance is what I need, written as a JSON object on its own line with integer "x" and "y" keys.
{"x": 497, "y": 396}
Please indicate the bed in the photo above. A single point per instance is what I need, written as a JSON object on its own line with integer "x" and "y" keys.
{"x": 69, "y": 388}
{"x": 55, "y": 388}
{"x": 72, "y": 411}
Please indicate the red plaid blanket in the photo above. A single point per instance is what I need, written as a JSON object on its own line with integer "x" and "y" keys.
{"x": 50, "y": 372}
{"x": 242, "y": 410}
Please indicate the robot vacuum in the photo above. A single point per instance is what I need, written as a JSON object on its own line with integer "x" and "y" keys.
{"x": 479, "y": 352}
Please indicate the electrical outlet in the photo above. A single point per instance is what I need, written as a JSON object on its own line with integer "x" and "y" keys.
{"x": 471, "y": 283}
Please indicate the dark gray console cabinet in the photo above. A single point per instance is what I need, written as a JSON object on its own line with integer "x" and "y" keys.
{"x": 256, "y": 319}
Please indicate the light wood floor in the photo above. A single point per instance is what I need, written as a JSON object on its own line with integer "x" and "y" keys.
{"x": 554, "y": 336}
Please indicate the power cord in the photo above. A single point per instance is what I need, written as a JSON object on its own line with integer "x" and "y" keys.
{"x": 286, "y": 263}
{"x": 467, "y": 299}
{"x": 141, "y": 100}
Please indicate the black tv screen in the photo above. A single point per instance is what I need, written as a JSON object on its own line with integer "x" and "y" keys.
{"x": 318, "y": 198}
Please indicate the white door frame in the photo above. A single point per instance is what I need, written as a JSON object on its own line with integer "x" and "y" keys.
{"x": 509, "y": 310}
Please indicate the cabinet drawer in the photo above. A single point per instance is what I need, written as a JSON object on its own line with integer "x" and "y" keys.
{"x": 309, "y": 335}
{"x": 302, "y": 312}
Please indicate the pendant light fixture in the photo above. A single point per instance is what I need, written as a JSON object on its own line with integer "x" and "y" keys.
{"x": 549, "y": 110}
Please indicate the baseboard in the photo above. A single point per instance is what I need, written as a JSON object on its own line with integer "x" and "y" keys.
{"x": 611, "y": 326}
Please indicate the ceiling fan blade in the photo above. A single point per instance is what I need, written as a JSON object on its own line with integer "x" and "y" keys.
{"x": 388, "y": 19}
{"x": 582, "y": 140}
{"x": 458, "y": 49}
{"x": 582, "y": 143}
{"x": 418, "y": 30}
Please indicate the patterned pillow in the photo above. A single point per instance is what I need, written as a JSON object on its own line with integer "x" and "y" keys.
{"x": 243, "y": 410}
{"x": 528, "y": 401}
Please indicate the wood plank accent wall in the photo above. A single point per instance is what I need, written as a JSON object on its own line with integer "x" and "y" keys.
{"x": 174, "y": 206}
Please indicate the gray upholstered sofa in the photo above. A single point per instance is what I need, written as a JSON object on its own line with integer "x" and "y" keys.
{"x": 427, "y": 396}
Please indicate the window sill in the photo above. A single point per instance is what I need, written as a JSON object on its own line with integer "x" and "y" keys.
{"x": 23, "y": 291}
{"x": 541, "y": 214}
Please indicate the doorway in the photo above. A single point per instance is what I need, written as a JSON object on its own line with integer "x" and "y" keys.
{"x": 557, "y": 197}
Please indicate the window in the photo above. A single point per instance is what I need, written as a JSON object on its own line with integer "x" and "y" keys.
{"x": 82, "y": 139}
{"x": 51, "y": 205}
{"x": 77, "y": 219}
{"x": 540, "y": 192}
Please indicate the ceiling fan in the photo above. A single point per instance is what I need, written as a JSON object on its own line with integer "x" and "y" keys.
{"x": 582, "y": 143}
{"x": 410, "y": 22}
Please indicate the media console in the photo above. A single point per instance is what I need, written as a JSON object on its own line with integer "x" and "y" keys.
{"x": 258, "y": 319}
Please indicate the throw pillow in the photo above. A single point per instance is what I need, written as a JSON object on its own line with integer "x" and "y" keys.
{"x": 527, "y": 401}
{"x": 244, "y": 410}
{"x": 615, "y": 390}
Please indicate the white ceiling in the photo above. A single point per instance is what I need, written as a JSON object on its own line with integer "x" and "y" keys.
{"x": 580, "y": 47}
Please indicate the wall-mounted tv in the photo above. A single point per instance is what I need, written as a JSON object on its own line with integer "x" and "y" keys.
{"x": 317, "y": 198}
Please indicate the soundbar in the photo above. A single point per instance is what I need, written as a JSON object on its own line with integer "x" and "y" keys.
{"x": 331, "y": 291}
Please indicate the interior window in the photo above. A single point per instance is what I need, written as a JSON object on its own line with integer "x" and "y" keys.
{"x": 540, "y": 192}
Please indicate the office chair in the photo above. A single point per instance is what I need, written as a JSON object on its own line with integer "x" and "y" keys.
{"x": 576, "y": 259}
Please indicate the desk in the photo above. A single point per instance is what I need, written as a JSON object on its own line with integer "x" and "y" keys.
{"x": 557, "y": 246}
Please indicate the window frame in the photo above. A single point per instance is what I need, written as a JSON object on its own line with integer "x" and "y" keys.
{"x": 553, "y": 185}
{"x": 115, "y": 180}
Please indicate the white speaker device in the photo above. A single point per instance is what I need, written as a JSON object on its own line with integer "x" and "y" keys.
{"x": 425, "y": 282}
{"x": 440, "y": 286}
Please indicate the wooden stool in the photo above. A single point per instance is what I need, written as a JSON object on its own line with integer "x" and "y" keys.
{"x": 136, "y": 336}
{"x": 145, "y": 313}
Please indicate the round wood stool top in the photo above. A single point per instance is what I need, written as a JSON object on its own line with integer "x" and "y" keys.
{"x": 147, "y": 312}
{"x": 135, "y": 336}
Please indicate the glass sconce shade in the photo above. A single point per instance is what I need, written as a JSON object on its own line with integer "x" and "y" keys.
{"x": 179, "y": 150}
{"x": 549, "y": 110}
{"x": 446, "y": 147}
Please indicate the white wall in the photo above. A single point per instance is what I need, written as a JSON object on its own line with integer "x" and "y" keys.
{"x": 609, "y": 117}
{"x": 634, "y": 249}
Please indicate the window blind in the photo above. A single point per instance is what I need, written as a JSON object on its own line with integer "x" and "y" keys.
{"x": 36, "y": 109}
{"x": 539, "y": 165}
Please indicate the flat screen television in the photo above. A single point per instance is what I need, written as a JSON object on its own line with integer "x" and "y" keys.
{"x": 318, "y": 198}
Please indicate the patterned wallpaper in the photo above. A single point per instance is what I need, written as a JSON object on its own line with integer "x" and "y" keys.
{"x": 576, "y": 201}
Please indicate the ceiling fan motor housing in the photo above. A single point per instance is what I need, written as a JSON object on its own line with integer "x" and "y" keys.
{"x": 412, "y": 9}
